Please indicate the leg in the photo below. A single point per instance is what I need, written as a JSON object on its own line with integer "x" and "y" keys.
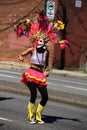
{"x": 33, "y": 92}
{"x": 31, "y": 104}
{"x": 44, "y": 95}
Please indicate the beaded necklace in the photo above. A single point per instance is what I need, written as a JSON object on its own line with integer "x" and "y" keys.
{"x": 40, "y": 61}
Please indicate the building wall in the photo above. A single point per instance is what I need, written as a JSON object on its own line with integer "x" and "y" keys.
{"x": 76, "y": 33}
{"x": 11, "y": 46}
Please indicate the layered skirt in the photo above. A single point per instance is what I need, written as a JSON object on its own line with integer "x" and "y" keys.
{"x": 35, "y": 76}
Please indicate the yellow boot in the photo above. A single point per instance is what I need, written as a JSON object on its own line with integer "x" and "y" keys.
{"x": 38, "y": 114}
{"x": 31, "y": 114}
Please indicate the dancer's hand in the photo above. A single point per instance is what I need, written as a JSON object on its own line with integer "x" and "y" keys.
{"x": 20, "y": 57}
{"x": 46, "y": 73}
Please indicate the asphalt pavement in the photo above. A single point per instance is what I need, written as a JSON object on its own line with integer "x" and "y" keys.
{"x": 54, "y": 95}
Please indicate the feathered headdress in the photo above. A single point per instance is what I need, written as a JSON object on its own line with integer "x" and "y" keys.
{"x": 42, "y": 28}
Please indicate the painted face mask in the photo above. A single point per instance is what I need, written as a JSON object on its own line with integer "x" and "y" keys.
{"x": 40, "y": 43}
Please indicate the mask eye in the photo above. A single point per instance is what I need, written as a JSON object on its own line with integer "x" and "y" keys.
{"x": 41, "y": 41}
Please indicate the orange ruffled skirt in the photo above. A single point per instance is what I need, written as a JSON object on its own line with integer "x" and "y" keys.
{"x": 32, "y": 75}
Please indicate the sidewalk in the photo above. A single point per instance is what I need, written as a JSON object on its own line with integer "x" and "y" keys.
{"x": 77, "y": 74}
{"x": 53, "y": 94}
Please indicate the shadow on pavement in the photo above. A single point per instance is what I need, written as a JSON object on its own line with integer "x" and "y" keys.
{"x": 5, "y": 98}
{"x": 51, "y": 119}
{"x": 1, "y": 124}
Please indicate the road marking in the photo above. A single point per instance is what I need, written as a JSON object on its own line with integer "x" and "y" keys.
{"x": 68, "y": 87}
{"x": 76, "y": 88}
{"x": 3, "y": 75}
{"x": 10, "y": 72}
{"x": 68, "y": 81}
{"x": 5, "y": 119}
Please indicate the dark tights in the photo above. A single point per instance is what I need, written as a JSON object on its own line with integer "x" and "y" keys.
{"x": 33, "y": 91}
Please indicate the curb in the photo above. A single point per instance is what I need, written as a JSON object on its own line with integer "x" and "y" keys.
{"x": 13, "y": 65}
{"x": 68, "y": 73}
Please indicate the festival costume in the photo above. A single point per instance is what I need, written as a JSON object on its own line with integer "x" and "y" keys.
{"x": 23, "y": 28}
{"x": 31, "y": 114}
{"x": 39, "y": 111}
{"x": 38, "y": 79}
{"x": 42, "y": 28}
{"x": 40, "y": 31}
{"x": 32, "y": 117}
{"x": 34, "y": 75}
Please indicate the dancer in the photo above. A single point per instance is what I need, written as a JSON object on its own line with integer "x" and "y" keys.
{"x": 41, "y": 34}
{"x": 35, "y": 78}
